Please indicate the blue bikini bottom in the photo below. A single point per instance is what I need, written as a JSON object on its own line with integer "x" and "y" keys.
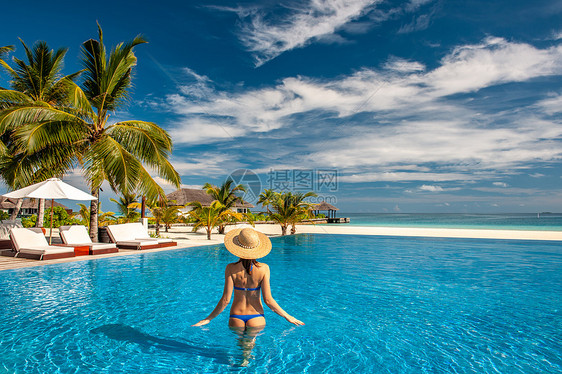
{"x": 246, "y": 317}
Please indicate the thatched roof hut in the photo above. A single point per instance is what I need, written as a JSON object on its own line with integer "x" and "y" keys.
{"x": 324, "y": 206}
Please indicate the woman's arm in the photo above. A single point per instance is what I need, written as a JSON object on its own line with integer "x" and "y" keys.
{"x": 224, "y": 300}
{"x": 270, "y": 301}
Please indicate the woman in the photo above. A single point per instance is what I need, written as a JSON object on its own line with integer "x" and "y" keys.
{"x": 247, "y": 278}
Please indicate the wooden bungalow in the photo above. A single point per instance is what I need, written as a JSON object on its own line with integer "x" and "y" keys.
{"x": 187, "y": 195}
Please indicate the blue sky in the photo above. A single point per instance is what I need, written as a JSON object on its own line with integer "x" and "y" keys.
{"x": 379, "y": 106}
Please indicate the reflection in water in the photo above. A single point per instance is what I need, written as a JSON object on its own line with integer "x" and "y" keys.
{"x": 246, "y": 341}
{"x": 128, "y": 334}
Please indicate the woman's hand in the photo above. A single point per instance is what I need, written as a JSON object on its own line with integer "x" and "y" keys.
{"x": 202, "y": 322}
{"x": 295, "y": 321}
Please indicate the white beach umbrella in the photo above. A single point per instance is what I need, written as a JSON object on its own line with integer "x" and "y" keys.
{"x": 52, "y": 188}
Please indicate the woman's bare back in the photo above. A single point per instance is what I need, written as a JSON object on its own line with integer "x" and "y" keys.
{"x": 246, "y": 302}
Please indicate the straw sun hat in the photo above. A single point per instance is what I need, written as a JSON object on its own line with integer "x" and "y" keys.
{"x": 247, "y": 243}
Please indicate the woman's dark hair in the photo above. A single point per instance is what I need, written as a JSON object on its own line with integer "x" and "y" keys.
{"x": 248, "y": 264}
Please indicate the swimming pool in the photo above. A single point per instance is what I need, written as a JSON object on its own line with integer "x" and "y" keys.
{"x": 370, "y": 304}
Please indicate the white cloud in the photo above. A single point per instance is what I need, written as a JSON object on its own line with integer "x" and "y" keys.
{"x": 312, "y": 20}
{"x": 403, "y": 177}
{"x": 552, "y": 105}
{"x": 557, "y": 35}
{"x": 500, "y": 184}
{"x": 431, "y": 188}
{"x": 209, "y": 164}
{"x": 536, "y": 175}
{"x": 494, "y": 61}
{"x": 410, "y": 128}
{"x": 402, "y": 65}
{"x": 402, "y": 88}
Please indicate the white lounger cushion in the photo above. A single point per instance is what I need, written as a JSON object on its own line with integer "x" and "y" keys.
{"x": 48, "y": 250}
{"x": 75, "y": 234}
{"x": 138, "y": 243}
{"x": 99, "y": 245}
{"x": 32, "y": 240}
{"x": 130, "y": 232}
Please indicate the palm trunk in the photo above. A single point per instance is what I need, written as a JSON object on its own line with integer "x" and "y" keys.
{"x": 157, "y": 228}
{"x": 293, "y": 229}
{"x": 16, "y": 210}
{"x": 283, "y": 230}
{"x": 41, "y": 213}
{"x": 221, "y": 229}
{"x": 94, "y": 216}
{"x": 209, "y": 233}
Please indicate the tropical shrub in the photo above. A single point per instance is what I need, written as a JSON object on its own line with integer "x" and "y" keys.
{"x": 29, "y": 221}
{"x": 212, "y": 216}
{"x": 288, "y": 209}
{"x": 60, "y": 218}
{"x": 226, "y": 195}
{"x": 4, "y": 215}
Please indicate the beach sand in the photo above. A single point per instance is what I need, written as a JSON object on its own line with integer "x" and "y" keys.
{"x": 189, "y": 240}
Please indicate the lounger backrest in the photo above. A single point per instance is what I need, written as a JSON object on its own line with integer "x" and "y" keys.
{"x": 127, "y": 231}
{"x": 75, "y": 234}
{"x": 140, "y": 231}
{"x": 28, "y": 238}
{"x": 6, "y": 226}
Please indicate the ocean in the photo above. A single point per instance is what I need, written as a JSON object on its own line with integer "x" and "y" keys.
{"x": 512, "y": 221}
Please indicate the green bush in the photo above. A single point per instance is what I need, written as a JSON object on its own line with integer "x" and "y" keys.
{"x": 29, "y": 221}
{"x": 60, "y": 218}
{"x": 4, "y": 215}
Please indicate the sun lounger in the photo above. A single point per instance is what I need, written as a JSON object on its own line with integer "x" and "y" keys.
{"x": 31, "y": 243}
{"x": 77, "y": 237}
{"x": 135, "y": 236}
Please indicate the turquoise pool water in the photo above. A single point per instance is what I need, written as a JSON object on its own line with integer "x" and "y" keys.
{"x": 370, "y": 304}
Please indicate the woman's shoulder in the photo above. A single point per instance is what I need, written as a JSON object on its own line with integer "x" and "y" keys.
{"x": 263, "y": 265}
{"x": 230, "y": 267}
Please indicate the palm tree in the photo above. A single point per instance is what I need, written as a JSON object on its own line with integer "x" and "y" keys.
{"x": 162, "y": 212}
{"x": 226, "y": 195}
{"x": 115, "y": 152}
{"x": 35, "y": 83}
{"x": 266, "y": 198}
{"x": 170, "y": 215}
{"x": 290, "y": 209}
{"x": 104, "y": 218}
{"x": 84, "y": 214}
{"x": 302, "y": 209}
{"x": 212, "y": 216}
{"x": 126, "y": 207}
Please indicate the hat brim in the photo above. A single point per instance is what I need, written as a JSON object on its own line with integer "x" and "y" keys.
{"x": 259, "y": 251}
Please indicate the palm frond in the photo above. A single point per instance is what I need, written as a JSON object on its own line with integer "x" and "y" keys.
{"x": 106, "y": 159}
{"x": 148, "y": 187}
{"x": 10, "y": 98}
{"x": 149, "y": 143}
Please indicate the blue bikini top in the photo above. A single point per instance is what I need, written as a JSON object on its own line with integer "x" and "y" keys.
{"x": 248, "y": 289}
